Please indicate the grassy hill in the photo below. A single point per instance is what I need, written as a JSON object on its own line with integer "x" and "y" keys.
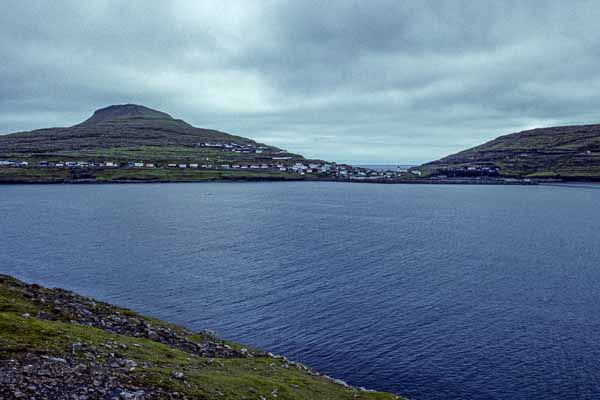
{"x": 55, "y": 344}
{"x": 131, "y": 132}
{"x": 571, "y": 152}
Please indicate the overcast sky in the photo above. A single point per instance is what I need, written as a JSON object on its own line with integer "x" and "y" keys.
{"x": 382, "y": 81}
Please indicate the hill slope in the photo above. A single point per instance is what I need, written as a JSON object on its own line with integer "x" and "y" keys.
{"x": 55, "y": 344}
{"x": 564, "y": 151}
{"x": 126, "y": 132}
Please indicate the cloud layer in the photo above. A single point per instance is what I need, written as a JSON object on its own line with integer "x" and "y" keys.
{"x": 386, "y": 81}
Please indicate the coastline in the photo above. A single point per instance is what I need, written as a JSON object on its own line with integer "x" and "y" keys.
{"x": 24, "y": 176}
{"x": 57, "y": 343}
{"x": 483, "y": 182}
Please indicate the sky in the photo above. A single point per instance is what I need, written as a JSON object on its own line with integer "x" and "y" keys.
{"x": 363, "y": 82}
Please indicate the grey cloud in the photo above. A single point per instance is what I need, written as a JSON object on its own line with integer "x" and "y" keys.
{"x": 364, "y": 82}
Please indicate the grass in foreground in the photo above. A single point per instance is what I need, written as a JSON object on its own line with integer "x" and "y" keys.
{"x": 155, "y": 364}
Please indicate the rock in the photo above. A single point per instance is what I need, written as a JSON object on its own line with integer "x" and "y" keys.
{"x": 127, "y": 395}
{"x": 152, "y": 335}
{"x": 178, "y": 375}
{"x": 340, "y": 382}
{"x": 55, "y": 359}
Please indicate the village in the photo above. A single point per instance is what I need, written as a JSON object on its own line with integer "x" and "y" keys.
{"x": 262, "y": 159}
{"x": 266, "y": 159}
{"x": 314, "y": 169}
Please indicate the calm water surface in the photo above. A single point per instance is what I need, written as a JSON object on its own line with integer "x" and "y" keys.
{"x": 434, "y": 292}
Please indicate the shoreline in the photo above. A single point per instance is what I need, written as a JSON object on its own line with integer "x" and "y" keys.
{"x": 486, "y": 182}
{"x": 55, "y": 335}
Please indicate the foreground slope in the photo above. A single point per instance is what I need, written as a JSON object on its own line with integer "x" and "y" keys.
{"x": 560, "y": 152}
{"x": 56, "y": 344}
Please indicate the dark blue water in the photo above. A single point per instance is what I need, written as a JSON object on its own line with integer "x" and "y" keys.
{"x": 431, "y": 291}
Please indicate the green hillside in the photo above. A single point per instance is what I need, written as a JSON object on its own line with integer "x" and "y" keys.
{"x": 55, "y": 344}
{"x": 132, "y": 132}
{"x": 571, "y": 152}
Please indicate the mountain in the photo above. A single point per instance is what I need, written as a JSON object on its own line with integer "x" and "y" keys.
{"x": 570, "y": 152}
{"x": 56, "y": 344}
{"x": 132, "y": 143}
{"x": 127, "y": 126}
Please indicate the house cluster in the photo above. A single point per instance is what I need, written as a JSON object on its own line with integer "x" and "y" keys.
{"x": 10, "y": 163}
{"x": 248, "y": 148}
{"x": 278, "y": 166}
{"x": 331, "y": 170}
{"x": 64, "y": 164}
{"x": 468, "y": 171}
{"x": 363, "y": 173}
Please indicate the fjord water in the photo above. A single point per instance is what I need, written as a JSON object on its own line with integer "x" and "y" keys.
{"x": 431, "y": 291}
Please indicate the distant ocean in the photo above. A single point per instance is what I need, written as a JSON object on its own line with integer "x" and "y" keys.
{"x": 431, "y": 291}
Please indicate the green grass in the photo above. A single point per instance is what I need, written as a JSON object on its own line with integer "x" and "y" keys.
{"x": 158, "y": 154}
{"x": 149, "y": 154}
{"x": 220, "y": 378}
{"x": 33, "y": 175}
{"x": 107, "y": 175}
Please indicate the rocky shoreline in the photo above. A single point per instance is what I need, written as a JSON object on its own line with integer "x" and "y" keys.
{"x": 55, "y": 344}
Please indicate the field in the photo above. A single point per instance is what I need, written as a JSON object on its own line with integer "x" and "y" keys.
{"x": 107, "y": 175}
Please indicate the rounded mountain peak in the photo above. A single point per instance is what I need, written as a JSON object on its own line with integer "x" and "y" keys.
{"x": 125, "y": 111}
